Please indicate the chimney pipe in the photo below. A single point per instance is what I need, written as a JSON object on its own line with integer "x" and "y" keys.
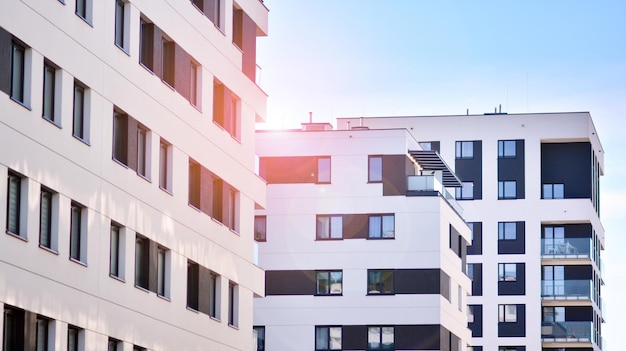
{"x": 310, "y": 117}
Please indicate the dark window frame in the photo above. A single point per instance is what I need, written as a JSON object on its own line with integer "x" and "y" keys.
{"x": 328, "y": 291}
{"x": 461, "y": 153}
{"x": 504, "y": 148}
{"x": 45, "y": 217}
{"x": 14, "y": 203}
{"x": 379, "y": 286}
{"x": 79, "y": 111}
{"x": 382, "y": 234}
{"x": 321, "y": 228}
{"x": 115, "y": 254}
{"x": 380, "y": 346}
{"x": 18, "y": 84}
{"x": 49, "y": 92}
{"x": 502, "y": 272}
{"x": 503, "y": 194}
{"x": 260, "y": 228}
{"x": 504, "y": 231}
{"x": 374, "y": 175}
{"x": 325, "y": 330}
{"x": 77, "y": 232}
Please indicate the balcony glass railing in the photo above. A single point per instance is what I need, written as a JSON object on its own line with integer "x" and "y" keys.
{"x": 566, "y": 248}
{"x": 566, "y": 289}
{"x": 430, "y": 183}
{"x": 567, "y": 332}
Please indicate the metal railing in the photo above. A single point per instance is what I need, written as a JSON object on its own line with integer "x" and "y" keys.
{"x": 567, "y": 332}
{"x": 567, "y": 289}
{"x": 566, "y": 248}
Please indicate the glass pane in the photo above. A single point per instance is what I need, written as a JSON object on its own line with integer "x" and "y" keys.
{"x": 509, "y": 148}
{"x": 510, "y": 231}
{"x": 336, "y": 282}
{"x": 322, "y": 283}
{"x": 321, "y": 338}
{"x": 510, "y": 313}
{"x": 375, "y": 226}
{"x": 336, "y": 227}
{"x": 547, "y": 191}
{"x": 387, "y": 282}
{"x": 457, "y": 152}
{"x": 42, "y": 335}
{"x": 374, "y": 282}
{"x": 375, "y": 169}
{"x": 17, "y": 73}
{"x": 260, "y": 225}
{"x": 115, "y": 238}
{"x": 510, "y": 272}
{"x": 163, "y": 166}
{"x": 510, "y": 190}
{"x": 78, "y": 111}
{"x": 75, "y": 233}
{"x": 44, "y": 219}
{"x": 373, "y": 338}
{"x": 141, "y": 152}
{"x": 468, "y": 190}
{"x": 559, "y": 191}
{"x": 426, "y": 146}
{"x": 323, "y": 170}
{"x": 387, "y": 338}
{"x": 468, "y": 149}
{"x": 388, "y": 227}
{"x": 161, "y": 272}
{"x": 119, "y": 23}
{"x": 323, "y": 227}
{"x": 139, "y": 243}
{"x": 335, "y": 338}
{"x": 13, "y": 204}
{"x": 48, "y": 92}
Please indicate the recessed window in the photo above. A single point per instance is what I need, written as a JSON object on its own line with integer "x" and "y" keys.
{"x": 162, "y": 271}
{"x": 13, "y": 328}
{"x": 81, "y": 8}
{"x": 380, "y": 338}
{"x": 464, "y": 149}
{"x": 238, "y": 27}
{"x": 323, "y": 170}
{"x": 553, "y": 191}
{"x": 506, "y": 148}
{"x": 194, "y": 95}
{"x": 146, "y": 44}
{"x": 78, "y": 232}
{"x": 375, "y": 169}
{"x": 465, "y": 192}
{"x": 121, "y": 24}
{"x": 381, "y": 227}
{"x": 14, "y": 204}
{"x": 193, "y": 277}
{"x": 45, "y": 218}
{"x": 165, "y": 165}
{"x": 74, "y": 336}
{"x": 507, "y": 189}
{"x": 49, "y": 95}
{"x": 329, "y": 282}
{"x": 113, "y": 344}
{"x": 470, "y": 313}
{"x": 426, "y": 145}
{"x": 553, "y": 314}
{"x": 259, "y": 332}
{"x": 554, "y": 242}
{"x": 194, "y": 183}
{"x": 327, "y": 338}
{"x": 329, "y": 227}
{"x": 507, "y": 313}
{"x": 507, "y": 272}
{"x": 42, "y": 333}
{"x": 80, "y": 115}
{"x": 142, "y": 146}
{"x": 379, "y": 281}
{"x": 116, "y": 263}
{"x": 168, "y": 60}
{"x": 226, "y": 109}
{"x": 507, "y": 231}
{"x": 260, "y": 228}
{"x": 139, "y": 348}
{"x": 233, "y": 212}
{"x": 233, "y": 304}
{"x": 213, "y": 295}
{"x": 142, "y": 261}
{"x": 18, "y": 67}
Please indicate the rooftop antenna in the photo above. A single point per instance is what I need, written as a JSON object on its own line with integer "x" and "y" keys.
{"x": 467, "y": 112}
{"x": 310, "y": 117}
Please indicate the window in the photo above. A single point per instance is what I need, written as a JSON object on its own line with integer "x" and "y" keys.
{"x": 81, "y": 9}
{"x": 113, "y": 344}
{"x": 507, "y": 231}
{"x": 375, "y": 169}
{"x": 164, "y": 165}
{"x": 213, "y": 298}
{"x": 78, "y": 126}
{"x": 379, "y": 281}
{"x": 327, "y": 338}
{"x": 465, "y": 192}
{"x": 193, "y": 84}
{"x": 260, "y": 228}
{"x": 507, "y": 272}
{"x": 115, "y": 259}
{"x": 120, "y": 137}
{"x": 232, "y": 209}
{"x": 146, "y": 44}
{"x": 260, "y": 338}
{"x": 139, "y": 348}
{"x": 78, "y": 242}
{"x": 329, "y": 282}
{"x": 42, "y": 333}
{"x": 14, "y": 204}
{"x": 506, "y": 148}
{"x": 470, "y": 270}
{"x": 120, "y": 24}
{"x": 426, "y": 145}
{"x": 13, "y": 332}
{"x": 194, "y": 183}
{"x": 18, "y": 66}
{"x": 507, "y": 189}
{"x": 49, "y": 73}
{"x": 142, "y": 143}
{"x": 329, "y": 227}
{"x": 193, "y": 276}
{"x": 507, "y": 348}
{"x": 470, "y": 313}
{"x": 73, "y": 338}
{"x": 507, "y": 313}
{"x": 162, "y": 270}
{"x": 233, "y": 301}
{"x": 226, "y": 109}
{"x": 381, "y": 227}
{"x": 323, "y": 170}
{"x": 380, "y": 338}
{"x": 553, "y": 191}
{"x": 238, "y": 27}
{"x": 553, "y": 314}
{"x": 168, "y": 60}
{"x": 45, "y": 218}
{"x": 464, "y": 149}
{"x": 554, "y": 241}
{"x": 142, "y": 261}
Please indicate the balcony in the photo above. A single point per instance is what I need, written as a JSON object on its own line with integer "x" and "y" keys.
{"x": 567, "y": 332}
{"x": 566, "y": 248}
{"x": 430, "y": 185}
{"x": 566, "y": 289}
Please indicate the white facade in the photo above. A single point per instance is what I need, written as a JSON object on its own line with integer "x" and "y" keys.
{"x": 63, "y": 288}
{"x": 420, "y": 242}
{"x": 530, "y": 207}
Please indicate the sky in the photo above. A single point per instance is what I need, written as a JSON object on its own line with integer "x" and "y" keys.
{"x": 350, "y": 58}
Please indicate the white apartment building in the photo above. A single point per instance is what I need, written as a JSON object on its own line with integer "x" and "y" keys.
{"x": 530, "y": 192}
{"x": 361, "y": 247}
{"x": 127, "y": 182}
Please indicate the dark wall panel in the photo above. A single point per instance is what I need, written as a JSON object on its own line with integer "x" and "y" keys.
{"x": 5, "y": 61}
{"x": 579, "y": 314}
{"x": 477, "y": 244}
{"x": 417, "y": 337}
{"x": 477, "y": 281}
{"x": 354, "y": 337}
{"x": 477, "y": 326}
{"x": 578, "y": 272}
{"x": 289, "y": 170}
{"x": 289, "y": 283}
{"x": 394, "y": 175}
{"x": 569, "y": 164}
{"x": 513, "y": 169}
{"x": 471, "y": 170}
{"x": 517, "y": 287}
{"x": 417, "y": 281}
{"x": 517, "y": 246}
{"x": 355, "y": 226}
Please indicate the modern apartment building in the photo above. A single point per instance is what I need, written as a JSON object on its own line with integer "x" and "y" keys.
{"x": 530, "y": 193}
{"x": 127, "y": 183}
{"x": 362, "y": 248}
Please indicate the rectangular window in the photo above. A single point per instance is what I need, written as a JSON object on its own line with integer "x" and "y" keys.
{"x": 465, "y": 192}
{"x": 42, "y": 333}
{"x": 323, "y": 170}
{"x": 49, "y": 73}
{"x": 45, "y": 218}
{"x": 115, "y": 266}
{"x": 553, "y": 314}
{"x": 507, "y": 272}
{"x": 238, "y": 27}
{"x": 470, "y": 313}
{"x": 13, "y": 332}
{"x": 162, "y": 271}
{"x": 193, "y": 277}
{"x": 164, "y": 165}
{"x": 329, "y": 282}
{"x": 553, "y": 191}
{"x": 381, "y": 227}
{"x": 18, "y": 65}
{"x": 14, "y": 203}
{"x": 78, "y": 126}
{"x": 379, "y": 281}
{"x": 507, "y": 313}
{"x": 146, "y": 44}
{"x": 139, "y": 348}
{"x": 380, "y": 338}
{"x": 259, "y": 332}
{"x": 507, "y": 189}
{"x": 506, "y": 148}
{"x": 113, "y": 344}
{"x": 233, "y": 300}
{"x": 329, "y": 227}
{"x": 193, "y": 84}
{"x": 142, "y": 145}
{"x": 73, "y": 338}
{"x": 120, "y": 24}
{"x": 168, "y": 60}
{"x": 120, "y": 137}
{"x": 375, "y": 169}
{"x": 142, "y": 261}
{"x": 464, "y": 149}
{"x": 194, "y": 183}
{"x": 327, "y": 338}
{"x": 260, "y": 228}
{"x": 81, "y": 9}
{"x": 426, "y": 145}
{"x": 213, "y": 285}
{"x": 507, "y": 231}
{"x": 554, "y": 241}
{"x": 232, "y": 209}
{"x": 77, "y": 233}
{"x": 225, "y": 109}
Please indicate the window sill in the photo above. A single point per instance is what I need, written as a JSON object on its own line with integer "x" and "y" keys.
{"x": 193, "y": 310}
{"x": 84, "y": 20}
{"x": 81, "y": 140}
{"x": 146, "y": 67}
{"x": 17, "y": 236}
{"x": 78, "y": 262}
{"x": 218, "y": 221}
{"x": 234, "y": 232}
{"x": 168, "y": 191}
{"x": 165, "y": 298}
{"x": 124, "y": 50}
{"x": 327, "y": 295}
{"x": 233, "y": 326}
{"x": 380, "y": 294}
{"x": 215, "y": 319}
{"x": 194, "y": 207}
{"x": 144, "y": 177}
{"x": 50, "y": 250}
{"x": 381, "y": 238}
{"x": 21, "y": 103}
{"x": 51, "y": 121}
{"x": 119, "y": 279}
{"x": 195, "y": 106}
{"x": 142, "y": 289}
{"x": 120, "y": 163}
{"x": 374, "y": 182}
{"x": 328, "y": 239}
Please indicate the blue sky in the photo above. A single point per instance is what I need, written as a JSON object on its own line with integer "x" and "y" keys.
{"x": 419, "y": 57}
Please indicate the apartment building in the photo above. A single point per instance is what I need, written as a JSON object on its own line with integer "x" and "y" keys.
{"x": 127, "y": 183}
{"x": 530, "y": 193}
{"x": 362, "y": 247}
